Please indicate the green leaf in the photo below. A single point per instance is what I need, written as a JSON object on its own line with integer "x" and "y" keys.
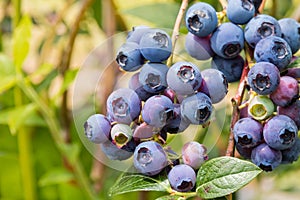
{"x": 224, "y": 175}
{"x": 72, "y": 151}
{"x": 56, "y": 176}
{"x": 6, "y": 83}
{"x": 159, "y": 17}
{"x": 21, "y": 43}
{"x": 21, "y": 115}
{"x": 131, "y": 182}
{"x": 7, "y": 66}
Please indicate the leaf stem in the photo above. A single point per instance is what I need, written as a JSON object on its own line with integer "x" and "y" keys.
{"x": 55, "y": 130}
{"x": 175, "y": 34}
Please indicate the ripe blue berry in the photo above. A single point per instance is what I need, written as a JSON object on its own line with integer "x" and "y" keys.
{"x": 231, "y": 68}
{"x": 123, "y": 105}
{"x": 240, "y": 11}
{"x": 97, "y": 128}
{"x": 201, "y": 19}
{"x": 197, "y": 108}
{"x": 113, "y": 152}
{"x": 182, "y": 178}
{"x": 265, "y": 157}
{"x": 275, "y": 50}
{"x": 226, "y": 44}
{"x": 280, "y": 132}
{"x": 287, "y": 91}
{"x": 194, "y": 154}
{"x": 184, "y": 78}
{"x": 216, "y": 84}
{"x": 292, "y": 111}
{"x": 264, "y": 78}
{"x": 259, "y": 27}
{"x": 153, "y": 77}
{"x": 156, "y": 45}
{"x": 243, "y": 151}
{"x": 157, "y": 111}
{"x": 135, "y": 85}
{"x": 247, "y": 132}
{"x": 198, "y": 47}
{"x": 176, "y": 124}
{"x": 149, "y": 158}
{"x": 292, "y": 154}
{"x": 290, "y": 29}
{"x": 136, "y": 33}
{"x": 129, "y": 57}
{"x": 261, "y": 107}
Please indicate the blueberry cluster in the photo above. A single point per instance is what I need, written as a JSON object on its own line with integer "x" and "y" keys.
{"x": 160, "y": 100}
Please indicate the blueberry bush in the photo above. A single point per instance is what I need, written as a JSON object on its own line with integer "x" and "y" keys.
{"x": 149, "y": 99}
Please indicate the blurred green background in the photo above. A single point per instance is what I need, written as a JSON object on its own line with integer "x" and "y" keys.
{"x": 45, "y": 48}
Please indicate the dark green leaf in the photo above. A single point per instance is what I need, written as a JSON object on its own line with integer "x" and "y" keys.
{"x": 159, "y": 17}
{"x": 56, "y": 176}
{"x": 224, "y": 175}
{"x": 131, "y": 182}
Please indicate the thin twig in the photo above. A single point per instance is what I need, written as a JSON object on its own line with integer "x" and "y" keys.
{"x": 175, "y": 34}
{"x": 262, "y": 6}
{"x": 65, "y": 64}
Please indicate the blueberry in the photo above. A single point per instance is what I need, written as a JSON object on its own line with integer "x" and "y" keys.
{"x": 264, "y": 78}
{"x": 121, "y": 134}
{"x": 291, "y": 154}
{"x": 184, "y": 78}
{"x": 157, "y": 111}
{"x": 182, "y": 178}
{"x": 198, "y": 47}
{"x": 149, "y": 158}
{"x": 153, "y": 77}
{"x": 197, "y": 108}
{"x": 261, "y": 107}
{"x": 156, "y": 45}
{"x": 292, "y": 111}
{"x": 259, "y": 27}
{"x": 129, "y": 57}
{"x": 244, "y": 151}
{"x": 231, "y": 68}
{"x": 135, "y": 85}
{"x": 97, "y": 128}
{"x": 216, "y": 84}
{"x": 123, "y": 105}
{"x": 247, "y": 132}
{"x": 194, "y": 154}
{"x": 136, "y": 33}
{"x": 275, "y": 50}
{"x": 287, "y": 92}
{"x": 113, "y": 152}
{"x": 280, "y": 132}
{"x": 144, "y": 131}
{"x": 290, "y": 29}
{"x": 176, "y": 124}
{"x": 265, "y": 157}
{"x": 240, "y": 11}
{"x": 201, "y": 19}
{"x": 227, "y": 40}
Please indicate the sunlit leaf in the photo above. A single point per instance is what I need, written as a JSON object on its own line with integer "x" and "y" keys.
{"x": 21, "y": 43}
{"x": 130, "y": 182}
{"x": 224, "y": 175}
